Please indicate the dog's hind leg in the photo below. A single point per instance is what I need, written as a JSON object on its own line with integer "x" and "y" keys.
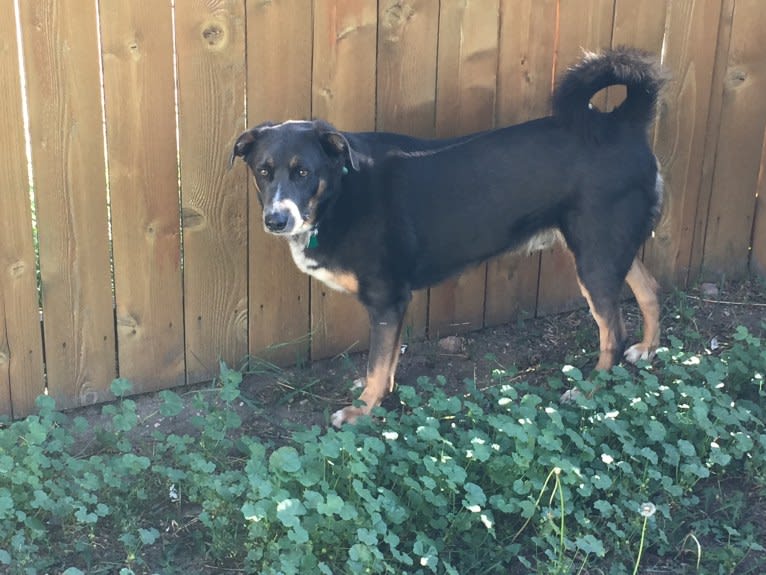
{"x": 385, "y": 331}
{"x": 644, "y": 288}
{"x": 603, "y": 302}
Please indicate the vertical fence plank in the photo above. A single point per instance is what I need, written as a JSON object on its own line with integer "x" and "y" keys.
{"x": 690, "y": 53}
{"x": 741, "y": 133}
{"x": 143, "y": 178}
{"x": 527, "y": 44}
{"x": 345, "y": 35}
{"x": 465, "y": 102}
{"x": 712, "y": 129}
{"x": 63, "y": 69}
{"x": 639, "y": 24}
{"x": 582, "y": 25}
{"x": 758, "y": 243}
{"x": 279, "y": 48}
{"x": 406, "y": 92}
{"x": 210, "y": 45}
{"x": 21, "y": 357}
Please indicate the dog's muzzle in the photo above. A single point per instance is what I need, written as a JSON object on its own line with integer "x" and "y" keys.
{"x": 277, "y": 221}
{"x": 283, "y": 217}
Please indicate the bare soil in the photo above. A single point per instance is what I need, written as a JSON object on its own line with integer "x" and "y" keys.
{"x": 705, "y": 317}
{"x": 276, "y": 400}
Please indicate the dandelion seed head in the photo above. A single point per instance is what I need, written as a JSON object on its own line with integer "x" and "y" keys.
{"x": 647, "y": 509}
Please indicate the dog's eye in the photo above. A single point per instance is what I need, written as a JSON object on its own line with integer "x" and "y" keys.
{"x": 263, "y": 171}
{"x": 303, "y": 172}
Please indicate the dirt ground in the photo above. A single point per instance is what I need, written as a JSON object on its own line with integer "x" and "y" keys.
{"x": 535, "y": 348}
{"x": 275, "y": 400}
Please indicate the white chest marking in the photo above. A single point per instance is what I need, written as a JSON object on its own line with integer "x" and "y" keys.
{"x": 336, "y": 281}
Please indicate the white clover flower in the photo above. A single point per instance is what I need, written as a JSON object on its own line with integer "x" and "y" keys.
{"x": 606, "y": 458}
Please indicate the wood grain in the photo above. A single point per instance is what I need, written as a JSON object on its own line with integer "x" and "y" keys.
{"x": 585, "y": 25}
{"x": 758, "y": 243}
{"x": 743, "y": 116}
{"x": 143, "y": 178}
{"x": 406, "y": 93}
{"x": 681, "y": 134}
{"x": 465, "y": 103}
{"x": 210, "y": 50}
{"x": 345, "y": 35}
{"x": 21, "y": 348}
{"x": 279, "y": 49}
{"x": 638, "y": 24}
{"x": 524, "y": 84}
{"x": 65, "y": 115}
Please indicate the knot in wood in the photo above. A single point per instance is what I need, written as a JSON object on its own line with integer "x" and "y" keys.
{"x": 397, "y": 15}
{"x": 737, "y": 77}
{"x": 213, "y": 34}
{"x": 192, "y": 218}
{"x": 17, "y": 269}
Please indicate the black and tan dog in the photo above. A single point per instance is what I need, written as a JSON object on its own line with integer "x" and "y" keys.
{"x": 379, "y": 215}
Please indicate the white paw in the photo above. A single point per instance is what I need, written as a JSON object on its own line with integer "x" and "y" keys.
{"x": 638, "y": 352}
{"x": 346, "y": 415}
{"x": 338, "y": 418}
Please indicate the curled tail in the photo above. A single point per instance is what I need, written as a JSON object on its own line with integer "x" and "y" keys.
{"x": 639, "y": 71}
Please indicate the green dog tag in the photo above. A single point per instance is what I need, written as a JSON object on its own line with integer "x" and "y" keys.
{"x": 313, "y": 241}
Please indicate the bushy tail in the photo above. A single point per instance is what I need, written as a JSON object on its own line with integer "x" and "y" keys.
{"x": 639, "y": 71}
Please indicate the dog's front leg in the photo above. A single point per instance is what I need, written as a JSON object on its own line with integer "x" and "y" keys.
{"x": 385, "y": 330}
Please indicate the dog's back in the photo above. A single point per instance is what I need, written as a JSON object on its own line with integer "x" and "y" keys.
{"x": 473, "y": 198}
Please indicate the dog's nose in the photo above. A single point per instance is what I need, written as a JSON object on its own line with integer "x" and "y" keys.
{"x": 276, "y": 221}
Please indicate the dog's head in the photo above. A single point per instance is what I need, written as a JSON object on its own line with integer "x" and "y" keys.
{"x": 297, "y": 167}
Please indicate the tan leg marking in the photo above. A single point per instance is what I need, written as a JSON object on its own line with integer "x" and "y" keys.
{"x": 381, "y": 367}
{"x": 608, "y": 340}
{"x": 644, "y": 288}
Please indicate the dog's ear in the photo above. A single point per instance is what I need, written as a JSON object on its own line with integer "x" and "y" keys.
{"x": 245, "y": 142}
{"x": 336, "y": 144}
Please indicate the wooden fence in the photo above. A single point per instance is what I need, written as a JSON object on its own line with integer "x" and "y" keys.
{"x": 140, "y": 255}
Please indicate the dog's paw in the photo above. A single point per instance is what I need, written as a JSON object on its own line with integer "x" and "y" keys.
{"x": 638, "y": 352}
{"x": 346, "y": 415}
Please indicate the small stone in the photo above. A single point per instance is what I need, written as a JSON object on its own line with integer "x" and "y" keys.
{"x": 709, "y": 290}
{"x": 452, "y": 344}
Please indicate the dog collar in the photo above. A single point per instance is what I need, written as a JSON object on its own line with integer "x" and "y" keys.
{"x": 312, "y": 242}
